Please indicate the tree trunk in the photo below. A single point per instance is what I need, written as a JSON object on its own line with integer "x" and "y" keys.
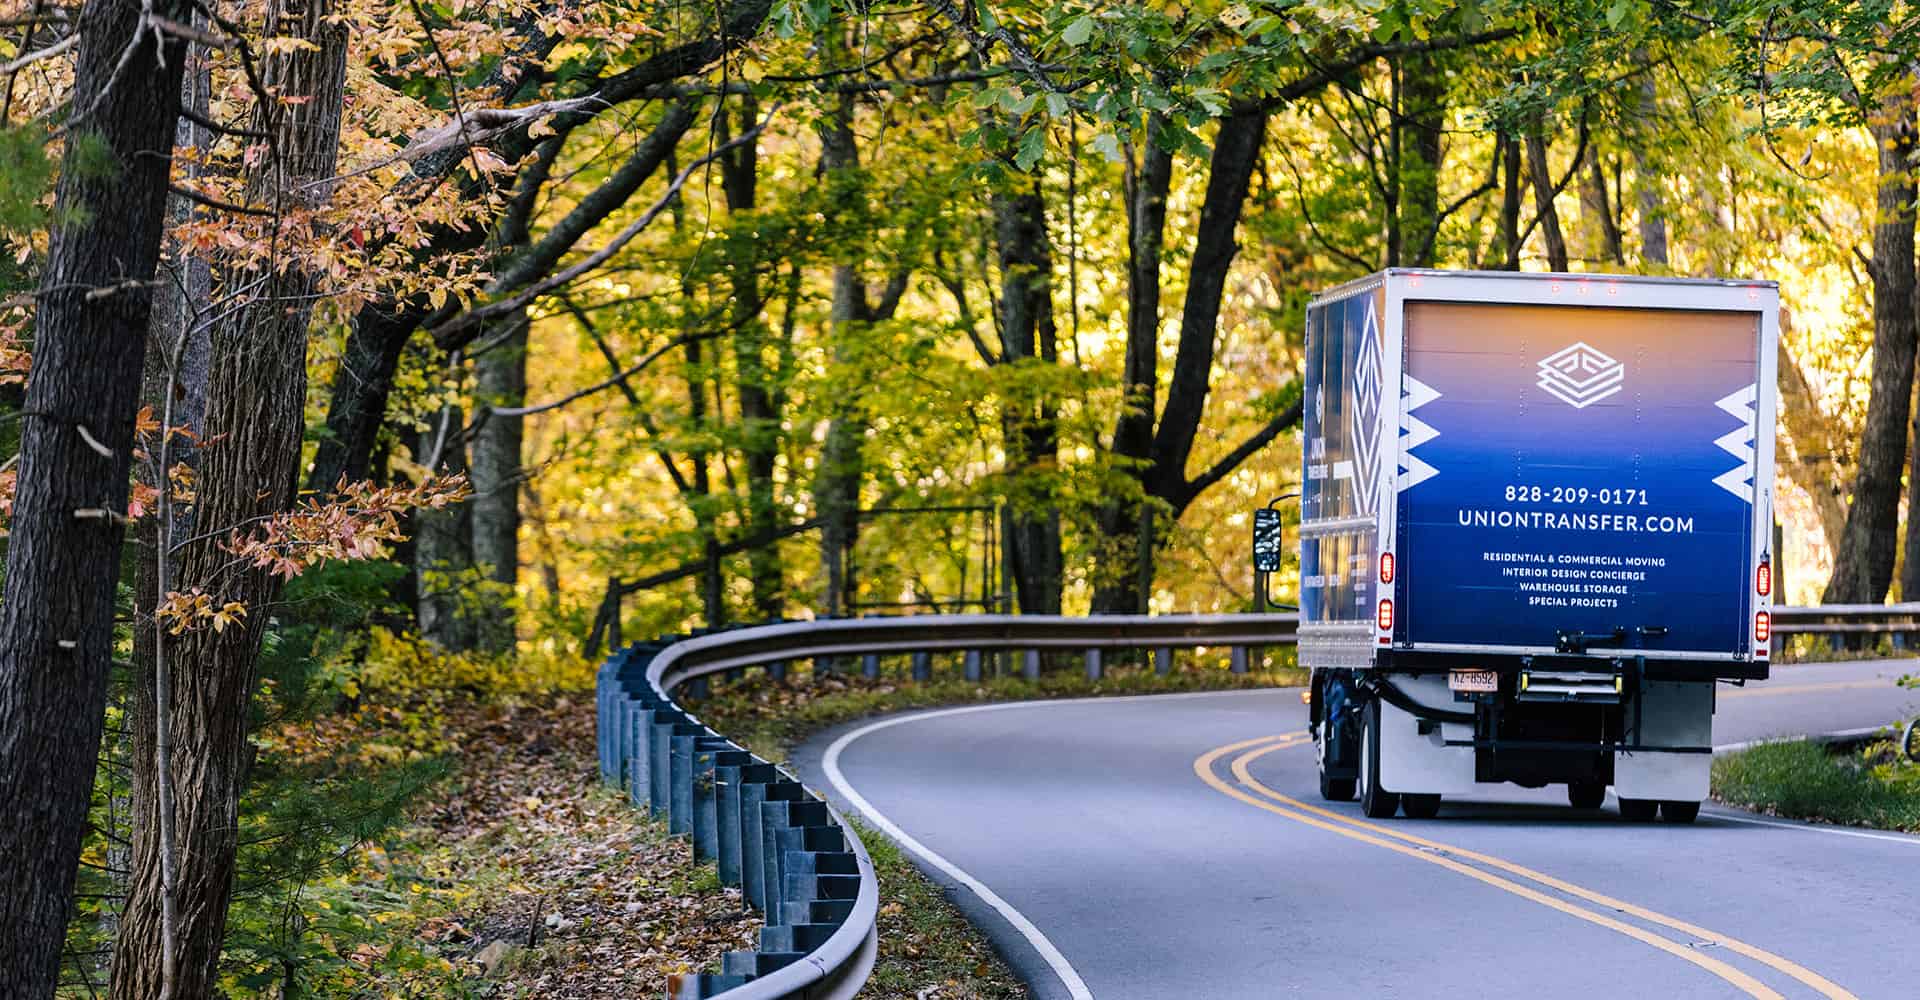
{"x": 1119, "y": 560}
{"x": 759, "y": 397}
{"x": 1653, "y": 221}
{"x": 1235, "y": 152}
{"x": 1812, "y": 450}
{"x": 256, "y": 412}
{"x": 502, "y": 373}
{"x": 1863, "y": 566}
{"x": 63, "y": 555}
{"x": 187, "y": 286}
{"x": 357, "y": 401}
{"x": 1542, "y": 178}
{"x": 443, "y": 543}
{"x": 1417, "y": 134}
{"x": 1512, "y": 187}
{"x": 1599, "y": 213}
{"x": 1031, "y": 437}
{"x": 836, "y": 484}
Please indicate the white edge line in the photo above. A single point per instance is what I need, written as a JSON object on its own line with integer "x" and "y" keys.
{"x": 830, "y": 764}
{"x": 1815, "y": 828}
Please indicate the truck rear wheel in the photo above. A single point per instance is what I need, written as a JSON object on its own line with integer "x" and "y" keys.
{"x": 1586, "y": 794}
{"x": 1679, "y": 812}
{"x": 1638, "y": 810}
{"x": 1375, "y": 801}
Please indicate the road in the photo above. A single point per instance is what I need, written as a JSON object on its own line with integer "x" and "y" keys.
{"x": 1176, "y": 846}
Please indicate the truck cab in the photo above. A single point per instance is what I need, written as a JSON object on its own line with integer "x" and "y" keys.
{"x": 1536, "y": 527}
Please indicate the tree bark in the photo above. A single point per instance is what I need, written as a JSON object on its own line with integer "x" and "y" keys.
{"x": 357, "y": 401}
{"x": 497, "y": 475}
{"x": 760, "y": 410}
{"x": 1417, "y": 135}
{"x": 1235, "y": 152}
{"x": 1121, "y": 565}
{"x": 443, "y": 542}
{"x": 1812, "y": 450}
{"x": 1543, "y": 192}
{"x": 1031, "y": 436}
{"x": 1512, "y": 187}
{"x": 1599, "y": 213}
{"x": 56, "y": 619}
{"x": 1863, "y": 565}
{"x": 256, "y": 411}
{"x": 1653, "y": 221}
{"x": 836, "y": 484}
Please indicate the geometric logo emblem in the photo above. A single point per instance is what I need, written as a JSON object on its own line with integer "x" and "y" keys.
{"x": 1581, "y": 376}
{"x": 1739, "y": 442}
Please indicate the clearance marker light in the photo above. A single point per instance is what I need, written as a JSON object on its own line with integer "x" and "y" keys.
{"x": 1763, "y": 579}
{"x": 1762, "y": 626}
{"x": 1386, "y": 614}
{"x": 1386, "y": 567}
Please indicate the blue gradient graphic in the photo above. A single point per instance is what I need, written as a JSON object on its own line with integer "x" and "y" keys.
{"x": 1645, "y": 456}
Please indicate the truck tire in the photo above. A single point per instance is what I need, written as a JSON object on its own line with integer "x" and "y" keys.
{"x": 1638, "y": 810}
{"x": 1420, "y": 806}
{"x": 1375, "y": 802}
{"x": 1586, "y": 794}
{"x": 1335, "y": 789}
{"x": 1679, "y": 812}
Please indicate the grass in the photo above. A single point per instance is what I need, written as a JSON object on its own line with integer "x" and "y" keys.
{"x": 1829, "y": 649}
{"x": 928, "y": 949}
{"x": 1806, "y": 780}
{"x": 772, "y": 719}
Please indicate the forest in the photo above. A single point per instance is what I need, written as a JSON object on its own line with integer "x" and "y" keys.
{"x": 359, "y": 356}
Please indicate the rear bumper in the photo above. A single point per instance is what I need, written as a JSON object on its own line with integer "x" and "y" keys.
{"x": 1654, "y": 667}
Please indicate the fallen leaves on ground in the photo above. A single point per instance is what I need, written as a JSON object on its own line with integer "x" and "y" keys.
{"x": 547, "y": 884}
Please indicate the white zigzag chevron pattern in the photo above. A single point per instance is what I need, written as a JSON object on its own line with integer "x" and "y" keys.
{"x": 1363, "y": 418}
{"x": 1415, "y": 432}
{"x": 1739, "y": 443}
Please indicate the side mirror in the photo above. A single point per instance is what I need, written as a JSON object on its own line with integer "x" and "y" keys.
{"x": 1268, "y": 538}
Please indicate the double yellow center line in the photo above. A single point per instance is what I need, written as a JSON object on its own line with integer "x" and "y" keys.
{"x": 1251, "y": 791}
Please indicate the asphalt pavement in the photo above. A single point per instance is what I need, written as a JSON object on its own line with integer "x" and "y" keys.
{"x": 1176, "y": 846}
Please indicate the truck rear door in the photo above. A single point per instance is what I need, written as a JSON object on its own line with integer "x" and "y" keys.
{"x": 1576, "y": 468}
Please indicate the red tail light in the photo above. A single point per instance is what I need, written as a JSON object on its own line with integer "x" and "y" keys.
{"x": 1762, "y": 626}
{"x": 1385, "y": 619}
{"x": 1763, "y": 579}
{"x": 1386, "y": 567}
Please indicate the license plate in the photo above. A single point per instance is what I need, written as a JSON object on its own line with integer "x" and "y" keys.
{"x": 1474, "y": 681}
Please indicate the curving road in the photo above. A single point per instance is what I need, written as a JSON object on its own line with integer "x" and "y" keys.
{"x": 1175, "y": 846}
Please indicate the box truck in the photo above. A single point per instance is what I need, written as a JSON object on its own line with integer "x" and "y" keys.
{"x": 1536, "y": 532}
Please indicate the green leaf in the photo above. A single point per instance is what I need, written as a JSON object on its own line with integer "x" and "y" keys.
{"x": 1108, "y": 146}
{"x": 1618, "y": 12}
{"x": 1079, "y": 31}
{"x": 1032, "y": 146}
{"x": 1057, "y": 105}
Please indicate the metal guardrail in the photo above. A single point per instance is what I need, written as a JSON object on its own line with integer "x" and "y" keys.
{"x": 792, "y": 854}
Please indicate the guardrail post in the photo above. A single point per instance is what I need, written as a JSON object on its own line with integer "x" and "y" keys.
{"x": 1237, "y": 660}
{"x": 1030, "y": 668}
{"x": 708, "y": 756}
{"x": 660, "y": 762}
{"x": 823, "y": 666}
{"x": 1163, "y": 660}
{"x": 922, "y": 666}
{"x": 753, "y": 854}
{"x": 778, "y": 671}
{"x": 870, "y": 666}
{"x": 970, "y": 666}
{"x": 1093, "y": 664}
